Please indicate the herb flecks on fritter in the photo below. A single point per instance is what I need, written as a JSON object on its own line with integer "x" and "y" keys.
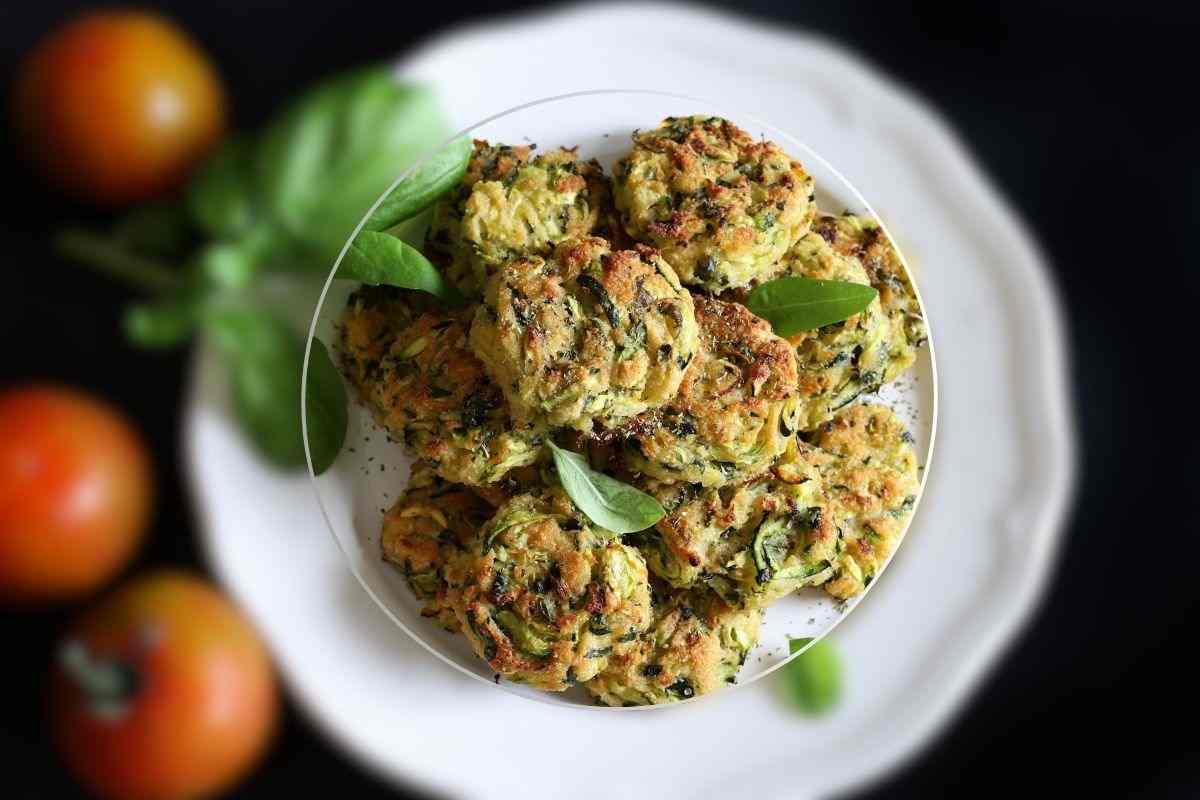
{"x": 870, "y": 471}
{"x": 419, "y": 376}
{"x": 751, "y": 543}
{"x": 589, "y": 338}
{"x": 696, "y": 645}
{"x": 736, "y": 407}
{"x": 722, "y": 206}
{"x": 512, "y": 203}
{"x": 547, "y": 597}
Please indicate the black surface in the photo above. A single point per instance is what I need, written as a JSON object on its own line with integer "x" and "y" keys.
{"x": 1083, "y": 117}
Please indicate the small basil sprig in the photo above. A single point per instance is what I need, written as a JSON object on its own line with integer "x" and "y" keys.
{"x": 796, "y": 304}
{"x": 382, "y": 259}
{"x": 606, "y": 501}
{"x": 283, "y": 200}
{"x": 813, "y": 679}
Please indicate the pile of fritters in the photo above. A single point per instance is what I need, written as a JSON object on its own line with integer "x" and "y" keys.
{"x": 607, "y": 316}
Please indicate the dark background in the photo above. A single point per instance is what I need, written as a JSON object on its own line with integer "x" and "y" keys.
{"x": 1086, "y": 120}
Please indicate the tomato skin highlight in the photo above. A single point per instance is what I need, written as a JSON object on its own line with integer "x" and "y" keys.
{"x": 75, "y": 493}
{"x": 202, "y": 709}
{"x": 118, "y": 107}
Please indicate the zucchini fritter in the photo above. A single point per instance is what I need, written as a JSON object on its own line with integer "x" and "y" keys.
{"x": 510, "y": 205}
{"x": 862, "y": 238}
{"x": 433, "y": 523}
{"x": 696, "y": 645}
{"x": 838, "y": 362}
{"x": 546, "y": 598}
{"x": 736, "y": 408}
{"x": 722, "y": 206}
{"x": 420, "y": 378}
{"x": 590, "y": 337}
{"x": 870, "y": 471}
{"x": 751, "y": 543}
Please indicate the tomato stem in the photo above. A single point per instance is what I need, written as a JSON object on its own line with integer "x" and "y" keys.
{"x": 109, "y": 684}
{"x": 103, "y": 255}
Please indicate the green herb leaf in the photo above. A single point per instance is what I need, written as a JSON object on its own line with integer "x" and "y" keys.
{"x": 266, "y": 359}
{"x": 606, "y": 501}
{"x": 439, "y": 174}
{"x": 797, "y": 304}
{"x": 331, "y": 155}
{"x": 813, "y": 679}
{"x": 221, "y": 198}
{"x": 325, "y": 408}
{"x": 383, "y": 260}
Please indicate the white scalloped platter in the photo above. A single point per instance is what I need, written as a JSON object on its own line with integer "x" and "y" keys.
{"x": 971, "y": 566}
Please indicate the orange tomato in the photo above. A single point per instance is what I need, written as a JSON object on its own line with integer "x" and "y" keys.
{"x": 162, "y": 691}
{"x": 75, "y": 493}
{"x": 118, "y": 106}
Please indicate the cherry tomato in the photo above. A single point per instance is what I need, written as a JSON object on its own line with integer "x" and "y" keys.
{"x": 75, "y": 493}
{"x": 162, "y": 691}
{"x": 118, "y": 106}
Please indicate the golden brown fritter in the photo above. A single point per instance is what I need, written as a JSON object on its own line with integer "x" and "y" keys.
{"x": 838, "y": 362}
{"x": 547, "y": 598}
{"x": 510, "y": 204}
{"x": 418, "y": 375}
{"x": 870, "y": 470}
{"x": 722, "y": 206}
{"x": 863, "y": 238}
{"x": 588, "y": 339}
{"x": 751, "y": 543}
{"x": 433, "y": 523}
{"x": 696, "y": 645}
{"x": 736, "y": 407}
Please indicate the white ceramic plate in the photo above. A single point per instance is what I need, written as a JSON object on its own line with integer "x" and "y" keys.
{"x": 371, "y": 472}
{"x": 972, "y": 565}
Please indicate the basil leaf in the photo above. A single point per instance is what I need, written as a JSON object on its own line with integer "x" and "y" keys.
{"x": 606, "y": 501}
{"x": 221, "y": 197}
{"x": 325, "y": 408}
{"x": 438, "y": 175}
{"x": 329, "y": 157}
{"x": 266, "y": 359}
{"x": 813, "y": 679}
{"x": 381, "y": 259}
{"x": 797, "y": 304}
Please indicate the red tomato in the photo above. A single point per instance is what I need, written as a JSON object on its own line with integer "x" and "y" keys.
{"x": 118, "y": 106}
{"x": 162, "y": 691}
{"x": 75, "y": 493}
